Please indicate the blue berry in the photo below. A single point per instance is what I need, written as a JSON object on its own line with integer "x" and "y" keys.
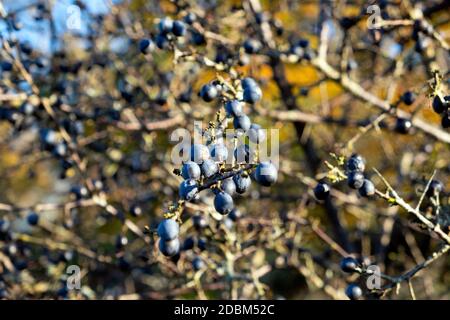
{"x": 355, "y": 179}
{"x": 266, "y": 174}
{"x": 235, "y": 214}
{"x": 209, "y": 168}
{"x": 219, "y": 152}
{"x": 243, "y": 153}
{"x": 256, "y": 134}
{"x": 321, "y": 191}
{"x": 179, "y": 28}
{"x": 33, "y": 218}
{"x": 252, "y": 94}
{"x": 233, "y": 108}
{"x": 356, "y": 163}
{"x": 435, "y": 188}
{"x": 190, "y": 170}
{"x": 197, "y": 38}
{"x": 242, "y": 183}
{"x": 188, "y": 244}
{"x": 188, "y": 190}
{"x": 223, "y": 203}
{"x": 403, "y": 126}
{"x": 248, "y": 83}
{"x": 169, "y": 248}
{"x": 168, "y": 229}
{"x": 445, "y": 122}
{"x": 367, "y": 189}
{"x": 161, "y": 41}
{"x": 145, "y": 46}
{"x": 201, "y": 244}
{"x": 121, "y": 241}
{"x": 190, "y": 18}
{"x": 252, "y": 46}
{"x": 242, "y": 123}
{"x": 165, "y": 25}
{"x": 438, "y": 104}
{"x": 208, "y": 92}
{"x": 199, "y": 221}
{"x": 349, "y": 264}
{"x": 199, "y": 153}
{"x": 136, "y": 210}
{"x": 229, "y": 186}
{"x": 408, "y": 98}
{"x": 198, "y": 263}
{"x": 353, "y": 291}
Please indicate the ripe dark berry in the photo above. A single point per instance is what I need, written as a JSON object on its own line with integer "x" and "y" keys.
{"x": 168, "y": 229}
{"x": 121, "y": 241}
{"x": 355, "y": 179}
{"x": 188, "y": 190}
{"x": 161, "y": 41}
{"x": 33, "y": 218}
{"x": 266, "y": 174}
{"x": 242, "y": 183}
{"x": 235, "y": 214}
{"x": 208, "y": 92}
{"x": 190, "y": 170}
{"x": 169, "y": 248}
{"x": 190, "y": 18}
{"x": 438, "y": 104}
{"x": 145, "y": 46}
{"x": 223, "y": 203}
{"x": 403, "y": 126}
{"x": 199, "y": 153}
{"x": 229, "y": 186}
{"x": 252, "y": 46}
{"x": 256, "y": 134}
{"x": 136, "y": 210}
{"x": 201, "y": 244}
{"x": 79, "y": 192}
{"x": 445, "y": 120}
{"x": 248, "y": 83}
{"x": 165, "y": 25}
{"x": 242, "y": 123}
{"x": 349, "y": 264}
{"x": 321, "y": 191}
{"x": 198, "y": 263}
{"x": 252, "y": 94}
{"x": 178, "y": 28}
{"x": 219, "y": 152}
{"x": 198, "y": 39}
{"x": 353, "y": 291}
{"x": 209, "y": 168}
{"x": 244, "y": 154}
{"x": 435, "y": 188}
{"x": 408, "y": 98}
{"x": 188, "y": 244}
{"x": 356, "y": 163}
{"x": 199, "y": 221}
{"x": 233, "y": 108}
{"x": 367, "y": 189}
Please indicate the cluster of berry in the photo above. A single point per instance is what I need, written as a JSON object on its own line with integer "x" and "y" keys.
{"x": 207, "y": 164}
{"x": 355, "y": 167}
{"x": 168, "y": 30}
{"x": 441, "y": 106}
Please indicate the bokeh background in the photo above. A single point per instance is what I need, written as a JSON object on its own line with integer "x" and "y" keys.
{"x": 275, "y": 250}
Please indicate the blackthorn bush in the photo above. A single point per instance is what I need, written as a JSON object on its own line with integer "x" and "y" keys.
{"x": 225, "y": 149}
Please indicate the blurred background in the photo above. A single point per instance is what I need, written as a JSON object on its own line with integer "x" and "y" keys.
{"x": 84, "y": 58}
